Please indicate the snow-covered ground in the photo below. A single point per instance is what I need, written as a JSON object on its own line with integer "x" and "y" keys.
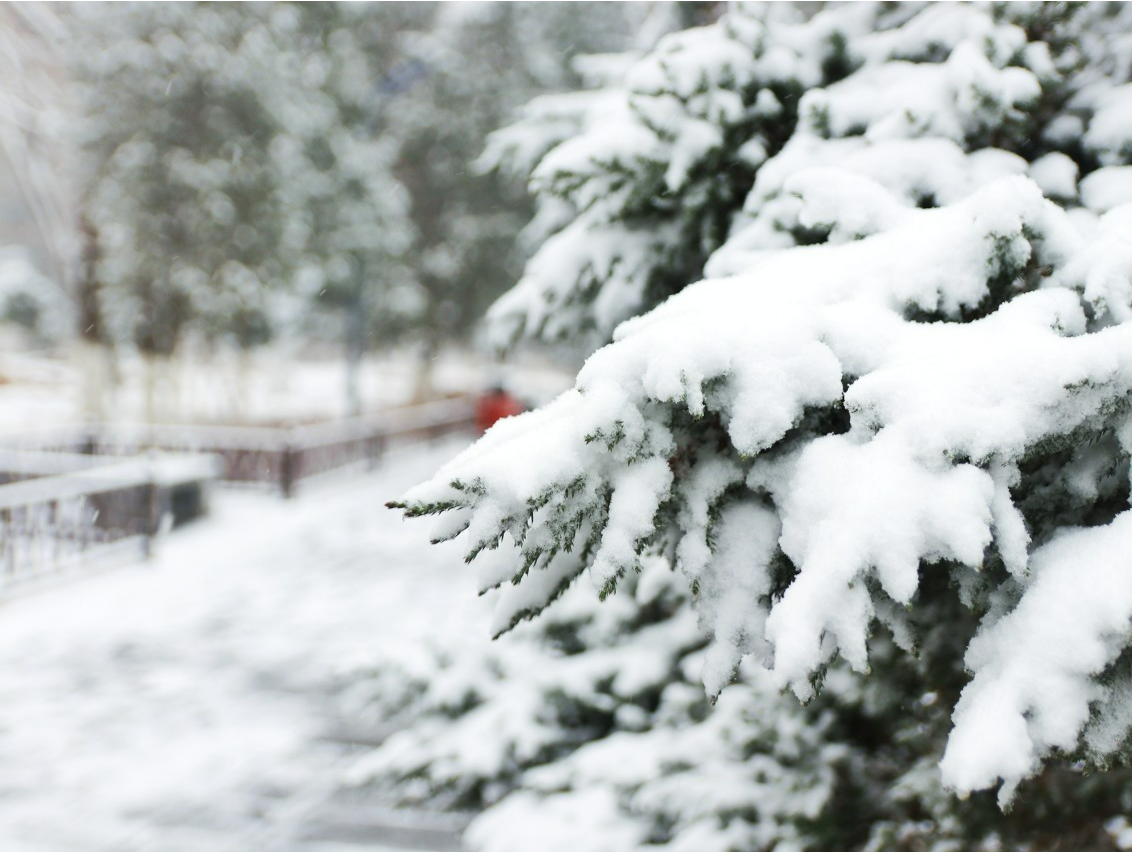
{"x": 183, "y": 705}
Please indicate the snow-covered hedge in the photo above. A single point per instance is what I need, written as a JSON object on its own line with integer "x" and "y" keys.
{"x": 898, "y": 404}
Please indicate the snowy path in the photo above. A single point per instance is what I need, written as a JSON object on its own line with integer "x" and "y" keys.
{"x": 184, "y": 705}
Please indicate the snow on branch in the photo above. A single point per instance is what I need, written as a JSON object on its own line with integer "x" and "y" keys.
{"x": 910, "y": 360}
{"x": 938, "y": 418}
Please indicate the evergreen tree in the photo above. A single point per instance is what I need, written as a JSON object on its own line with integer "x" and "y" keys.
{"x": 458, "y": 72}
{"x": 882, "y": 449}
{"x": 230, "y": 166}
{"x": 349, "y": 214}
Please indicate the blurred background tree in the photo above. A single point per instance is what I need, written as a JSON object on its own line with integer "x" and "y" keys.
{"x": 225, "y": 167}
{"x": 458, "y": 80}
{"x": 307, "y": 171}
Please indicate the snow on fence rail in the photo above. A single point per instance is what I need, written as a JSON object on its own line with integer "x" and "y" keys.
{"x": 62, "y": 517}
{"x": 280, "y": 457}
{"x": 67, "y": 495}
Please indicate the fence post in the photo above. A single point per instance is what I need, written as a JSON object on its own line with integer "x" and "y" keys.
{"x": 8, "y": 543}
{"x": 375, "y": 447}
{"x": 55, "y": 531}
{"x": 287, "y": 469}
{"x": 151, "y": 508}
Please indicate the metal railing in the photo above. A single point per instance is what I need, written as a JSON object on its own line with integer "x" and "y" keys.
{"x": 276, "y": 457}
{"x": 74, "y": 495}
{"x": 60, "y": 519}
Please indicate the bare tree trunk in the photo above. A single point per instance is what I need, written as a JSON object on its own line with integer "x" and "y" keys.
{"x": 244, "y": 367}
{"x": 355, "y": 349}
{"x": 174, "y": 383}
{"x": 150, "y": 387}
{"x": 353, "y": 383}
{"x": 161, "y": 390}
{"x": 423, "y": 390}
{"x": 95, "y": 357}
{"x": 95, "y": 372}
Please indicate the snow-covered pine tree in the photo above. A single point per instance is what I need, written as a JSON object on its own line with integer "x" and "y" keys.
{"x": 884, "y": 444}
{"x": 348, "y": 217}
{"x": 461, "y": 73}
{"x": 230, "y": 165}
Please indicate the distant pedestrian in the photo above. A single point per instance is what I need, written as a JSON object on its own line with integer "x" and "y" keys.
{"x": 494, "y": 405}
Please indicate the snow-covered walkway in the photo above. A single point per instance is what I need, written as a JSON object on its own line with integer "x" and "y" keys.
{"x": 184, "y": 705}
